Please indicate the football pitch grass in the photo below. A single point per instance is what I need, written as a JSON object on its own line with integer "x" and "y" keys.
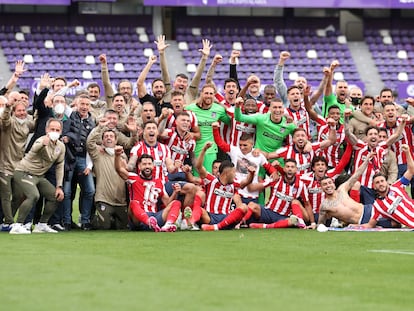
{"x": 288, "y": 269}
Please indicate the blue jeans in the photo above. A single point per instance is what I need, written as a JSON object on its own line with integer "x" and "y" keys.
{"x": 87, "y": 192}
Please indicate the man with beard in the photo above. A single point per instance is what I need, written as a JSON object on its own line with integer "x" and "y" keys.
{"x": 340, "y": 98}
{"x": 362, "y": 149}
{"x": 157, "y": 85}
{"x": 283, "y": 209}
{"x": 147, "y": 114}
{"x": 110, "y": 196}
{"x": 144, "y": 191}
{"x": 160, "y": 153}
{"x": 339, "y": 204}
{"x": 393, "y": 202}
{"x": 298, "y": 151}
{"x": 207, "y": 112}
{"x": 98, "y": 107}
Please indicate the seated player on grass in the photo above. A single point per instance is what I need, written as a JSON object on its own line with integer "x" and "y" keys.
{"x": 144, "y": 191}
{"x": 339, "y": 204}
{"x": 393, "y": 201}
{"x": 220, "y": 191}
{"x": 283, "y": 209}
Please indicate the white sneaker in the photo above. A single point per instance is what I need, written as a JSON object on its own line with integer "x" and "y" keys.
{"x": 169, "y": 227}
{"x": 18, "y": 228}
{"x": 43, "y": 228}
{"x": 297, "y": 221}
{"x": 184, "y": 225}
{"x": 335, "y": 223}
{"x": 28, "y": 226}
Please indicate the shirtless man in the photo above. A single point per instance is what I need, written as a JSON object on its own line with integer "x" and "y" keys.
{"x": 340, "y": 205}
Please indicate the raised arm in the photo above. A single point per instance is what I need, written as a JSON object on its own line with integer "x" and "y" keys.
{"x": 195, "y": 83}
{"x": 210, "y": 73}
{"x": 328, "y": 89}
{"x": 18, "y": 71}
{"x": 120, "y": 166}
{"x": 351, "y": 137}
{"x": 354, "y": 178}
{"x": 394, "y": 137}
{"x": 331, "y": 134}
{"x": 109, "y": 92}
{"x": 142, "y": 90}
{"x": 278, "y": 81}
{"x": 165, "y": 75}
{"x": 322, "y": 86}
{"x": 248, "y": 180}
{"x": 308, "y": 105}
{"x": 251, "y": 80}
{"x": 234, "y": 56}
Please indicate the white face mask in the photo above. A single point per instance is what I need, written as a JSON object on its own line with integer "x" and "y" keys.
{"x": 1, "y": 110}
{"x": 59, "y": 109}
{"x": 110, "y": 151}
{"x": 21, "y": 121}
{"x": 54, "y": 136}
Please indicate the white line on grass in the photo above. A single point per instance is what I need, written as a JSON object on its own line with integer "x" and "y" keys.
{"x": 390, "y": 251}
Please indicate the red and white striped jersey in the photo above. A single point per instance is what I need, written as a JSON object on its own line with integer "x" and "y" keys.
{"x": 405, "y": 138}
{"x": 374, "y": 166}
{"x": 159, "y": 153}
{"x": 397, "y": 205}
{"x": 238, "y": 129}
{"x": 218, "y": 196}
{"x": 171, "y": 120}
{"x": 300, "y": 118}
{"x": 332, "y": 152}
{"x": 303, "y": 159}
{"x": 180, "y": 149}
{"x": 284, "y": 193}
{"x": 145, "y": 191}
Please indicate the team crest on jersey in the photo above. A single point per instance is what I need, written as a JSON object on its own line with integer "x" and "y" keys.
{"x": 282, "y": 130}
{"x": 213, "y": 114}
{"x": 57, "y": 150}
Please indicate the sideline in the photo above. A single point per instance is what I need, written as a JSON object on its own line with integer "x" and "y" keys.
{"x": 390, "y": 251}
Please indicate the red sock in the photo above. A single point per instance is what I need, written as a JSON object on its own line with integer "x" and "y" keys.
{"x": 248, "y": 214}
{"x": 279, "y": 224}
{"x": 197, "y": 211}
{"x": 138, "y": 212}
{"x": 174, "y": 211}
{"x": 296, "y": 210}
{"x": 232, "y": 218}
{"x": 354, "y": 194}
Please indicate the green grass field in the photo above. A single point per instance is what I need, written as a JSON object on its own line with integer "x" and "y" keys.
{"x": 248, "y": 269}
